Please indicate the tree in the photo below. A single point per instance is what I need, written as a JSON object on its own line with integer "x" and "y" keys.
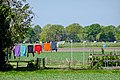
{"x": 92, "y": 31}
{"x": 52, "y": 33}
{"x": 57, "y": 32}
{"x": 74, "y": 32}
{"x": 37, "y": 29}
{"x": 15, "y": 17}
{"x": 46, "y": 33}
{"x": 107, "y": 34}
{"x": 30, "y": 35}
{"x": 117, "y": 33}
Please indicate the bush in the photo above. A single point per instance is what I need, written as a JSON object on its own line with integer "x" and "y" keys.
{"x": 31, "y": 65}
{"x": 106, "y": 60}
{"x": 98, "y": 65}
{"x": 7, "y": 67}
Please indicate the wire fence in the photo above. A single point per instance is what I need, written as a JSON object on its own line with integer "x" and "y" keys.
{"x": 68, "y": 57}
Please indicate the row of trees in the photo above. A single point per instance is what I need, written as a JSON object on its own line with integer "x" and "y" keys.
{"x": 76, "y": 32}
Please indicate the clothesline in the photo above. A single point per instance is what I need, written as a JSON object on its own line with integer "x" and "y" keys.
{"x": 22, "y": 49}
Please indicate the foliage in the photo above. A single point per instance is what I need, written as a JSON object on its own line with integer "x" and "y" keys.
{"x": 52, "y": 33}
{"x": 106, "y": 60}
{"x": 117, "y": 33}
{"x": 92, "y": 31}
{"x": 37, "y": 29}
{"x": 21, "y": 20}
{"x": 7, "y": 67}
{"x": 74, "y": 32}
{"x": 15, "y": 22}
{"x": 15, "y": 17}
{"x": 31, "y": 65}
{"x": 107, "y": 34}
{"x": 77, "y": 33}
{"x": 32, "y": 34}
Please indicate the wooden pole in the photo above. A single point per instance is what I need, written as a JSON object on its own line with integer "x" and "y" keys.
{"x": 43, "y": 62}
{"x": 38, "y": 62}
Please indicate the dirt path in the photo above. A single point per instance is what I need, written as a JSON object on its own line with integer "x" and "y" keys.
{"x": 116, "y": 49}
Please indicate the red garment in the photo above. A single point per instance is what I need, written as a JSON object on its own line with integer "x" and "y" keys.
{"x": 37, "y": 48}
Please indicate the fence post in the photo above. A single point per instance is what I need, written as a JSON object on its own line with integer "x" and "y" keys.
{"x": 43, "y": 63}
{"x": 38, "y": 62}
{"x": 17, "y": 64}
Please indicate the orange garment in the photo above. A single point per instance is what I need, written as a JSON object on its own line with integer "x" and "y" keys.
{"x": 47, "y": 47}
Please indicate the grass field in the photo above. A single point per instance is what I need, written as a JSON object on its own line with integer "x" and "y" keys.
{"x": 57, "y": 58}
{"x": 61, "y": 75}
{"x": 61, "y": 59}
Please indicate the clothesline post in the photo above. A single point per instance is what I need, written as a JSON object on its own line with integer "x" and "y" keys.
{"x": 84, "y": 52}
{"x": 71, "y": 55}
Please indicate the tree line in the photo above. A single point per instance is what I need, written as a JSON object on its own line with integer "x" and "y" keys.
{"x": 75, "y": 32}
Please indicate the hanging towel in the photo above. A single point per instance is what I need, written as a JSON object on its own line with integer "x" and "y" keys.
{"x": 30, "y": 49}
{"x": 37, "y": 48}
{"x": 47, "y": 47}
{"x": 17, "y": 50}
{"x": 53, "y": 46}
{"x": 23, "y": 50}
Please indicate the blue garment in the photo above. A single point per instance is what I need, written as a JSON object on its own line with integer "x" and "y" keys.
{"x": 23, "y": 50}
{"x": 54, "y": 46}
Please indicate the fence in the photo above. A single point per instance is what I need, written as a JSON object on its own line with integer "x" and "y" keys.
{"x": 67, "y": 57}
{"x": 78, "y": 58}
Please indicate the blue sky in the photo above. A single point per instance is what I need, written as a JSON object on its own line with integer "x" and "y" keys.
{"x": 84, "y": 12}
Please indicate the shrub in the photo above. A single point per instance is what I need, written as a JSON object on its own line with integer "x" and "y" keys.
{"x": 7, "y": 67}
{"x": 31, "y": 65}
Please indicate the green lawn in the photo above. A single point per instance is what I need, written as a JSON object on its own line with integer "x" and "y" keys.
{"x": 61, "y": 59}
{"x": 61, "y": 75}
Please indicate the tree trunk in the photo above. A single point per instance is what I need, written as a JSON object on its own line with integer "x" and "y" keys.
{"x": 2, "y": 58}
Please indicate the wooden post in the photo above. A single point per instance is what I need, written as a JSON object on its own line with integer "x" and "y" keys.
{"x": 69, "y": 65}
{"x": 17, "y": 64}
{"x": 43, "y": 62}
{"x": 38, "y": 62}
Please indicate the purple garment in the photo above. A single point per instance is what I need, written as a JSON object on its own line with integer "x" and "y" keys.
{"x": 17, "y": 50}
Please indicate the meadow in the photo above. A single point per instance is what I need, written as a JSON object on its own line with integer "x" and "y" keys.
{"x": 57, "y": 59}
{"x": 61, "y": 60}
{"x": 78, "y": 58}
{"x": 61, "y": 75}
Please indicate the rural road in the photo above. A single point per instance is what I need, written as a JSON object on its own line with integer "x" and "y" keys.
{"x": 116, "y": 49}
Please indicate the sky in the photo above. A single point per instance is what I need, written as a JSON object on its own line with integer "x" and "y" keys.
{"x": 84, "y": 12}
